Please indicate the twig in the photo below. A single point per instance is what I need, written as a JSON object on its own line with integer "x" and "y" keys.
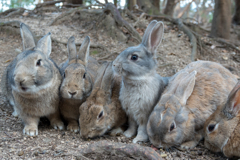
{"x": 100, "y": 3}
{"x": 220, "y": 40}
{"x": 17, "y": 12}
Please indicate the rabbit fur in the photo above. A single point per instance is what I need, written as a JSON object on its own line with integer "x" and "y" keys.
{"x": 79, "y": 74}
{"x": 192, "y": 95}
{"x": 31, "y": 83}
{"x": 222, "y": 128}
{"x": 141, "y": 86}
{"x": 102, "y": 112}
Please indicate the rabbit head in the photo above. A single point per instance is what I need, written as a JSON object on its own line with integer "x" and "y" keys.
{"x": 167, "y": 122}
{"x": 95, "y": 115}
{"x": 33, "y": 71}
{"x": 222, "y": 127}
{"x": 77, "y": 82}
{"x": 140, "y": 60}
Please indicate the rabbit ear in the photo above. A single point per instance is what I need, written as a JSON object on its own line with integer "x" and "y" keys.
{"x": 27, "y": 37}
{"x": 83, "y": 53}
{"x": 233, "y": 104}
{"x": 154, "y": 38}
{"x": 147, "y": 32}
{"x": 185, "y": 87}
{"x": 45, "y": 45}
{"x": 72, "y": 51}
{"x": 172, "y": 86}
{"x": 107, "y": 78}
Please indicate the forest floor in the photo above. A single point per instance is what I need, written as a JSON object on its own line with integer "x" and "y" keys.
{"x": 173, "y": 55}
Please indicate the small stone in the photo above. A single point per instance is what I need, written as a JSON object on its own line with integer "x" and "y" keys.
{"x": 163, "y": 155}
{"x": 233, "y": 53}
{"x": 20, "y": 153}
{"x": 35, "y": 153}
{"x": 179, "y": 35}
{"x": 225, "y": 58}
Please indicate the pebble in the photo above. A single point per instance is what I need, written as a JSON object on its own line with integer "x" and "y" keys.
{"x": 20, "y": 153}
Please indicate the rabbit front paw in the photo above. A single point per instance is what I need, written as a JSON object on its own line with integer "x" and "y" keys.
{"x": 116, "y": 131}
{"x": 140, "y": 138}
{"x": 188, "y": 145}
{"x": 57, "y": 124}
{"x": 30, "y": 130}
{"x": 129, "y": 133}
{"x": 15, "y": 114}
{"x": 73, "y": 127}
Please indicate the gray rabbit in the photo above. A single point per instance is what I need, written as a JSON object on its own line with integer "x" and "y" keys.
{"x": 31, "y": 83}
{"x": 141, "y": 86}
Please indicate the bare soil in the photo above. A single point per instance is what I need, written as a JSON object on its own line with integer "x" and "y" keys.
{"x": 172, "y": 55}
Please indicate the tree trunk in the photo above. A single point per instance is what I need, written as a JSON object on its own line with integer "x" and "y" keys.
{"x": 115, "y": 3}
{"x": 148, "y": 7}
{"x": 221, "y": 19}
{"x": 236, "y": 17}
{"x": 131, "y": 3}
{"x": 74, "y": 1}
{"x": 156, "y": 4}
{"x": 169, "y": 9}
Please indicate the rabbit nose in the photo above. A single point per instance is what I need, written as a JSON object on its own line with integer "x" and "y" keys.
{"x": 21, "y": 82}
{"x": 72, "y": 93}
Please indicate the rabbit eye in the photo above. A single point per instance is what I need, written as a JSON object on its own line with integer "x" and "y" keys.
{"x": 100, "y": 115}
{"x": 39, "y": 62}
{"x": 211, "y": 127}
{"x": 172, "y": 127}
{"x": 84, "y": 75}
{"x": 134, "y": 57}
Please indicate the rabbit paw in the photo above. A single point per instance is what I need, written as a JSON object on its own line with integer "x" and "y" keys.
{"x": 140, "y": 138}
{"x": 188, "y": 145}
{"x": 129, "y": 133}
{"x": 116, "y": 131}
{"x": 30, "y": 130}
{"x": 57, "y": 124}
{"x": 73, "y": 127}
{"x": 15, "y": 114}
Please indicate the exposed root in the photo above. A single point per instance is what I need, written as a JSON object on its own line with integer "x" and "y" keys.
{"x": 110, "y": 8}
{"x": 223, "y": 41}
{"x": 13, "y": 12}
{"x": 63, "y": 17}
{"x": 120, "y": 149}
{"x": 39, "y": 5}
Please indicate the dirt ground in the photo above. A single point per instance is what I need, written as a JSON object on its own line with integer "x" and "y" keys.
{"x": 173, "y": 55}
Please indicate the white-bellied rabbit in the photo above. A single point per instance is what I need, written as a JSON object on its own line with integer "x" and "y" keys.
{"x": 141, "y": 86}
{"x": 79, "y": 74}
{"x": 191, "y": 96}
{"x": 31, "y": 83}
{"x": 102, "y": 111}
{"x": 222, "y": 128}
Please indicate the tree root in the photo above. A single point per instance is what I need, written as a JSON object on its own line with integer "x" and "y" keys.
{"x": 191, "y": 36}
{"x": 79, "y": 44}
{"x": 223, "y": 41}
{"x": 39, "y": 5}
{"x": 13, "y": 12}
{"x": 110, "y": 8}
{"x": 120, "y": 149}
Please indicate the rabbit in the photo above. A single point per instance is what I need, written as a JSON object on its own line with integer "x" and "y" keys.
{"x": 191, "y": 96}
{"x": 222, "y": 128}
{"x": 79, "y": 74}
{"x": 31, "y": 83}
{"x": 141, "y": 86}
{"x": 102, "y": 110}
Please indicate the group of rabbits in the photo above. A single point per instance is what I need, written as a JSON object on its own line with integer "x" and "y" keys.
{"x": 200, "y": 101}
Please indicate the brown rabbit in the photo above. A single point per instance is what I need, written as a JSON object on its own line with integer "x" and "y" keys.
{"x": 222, "y": 128}
{"x": 31, "y": 83}
{"x": 191, "y": 96}
{"x": 102, "y": 111}
{"x": 79, "y": 73}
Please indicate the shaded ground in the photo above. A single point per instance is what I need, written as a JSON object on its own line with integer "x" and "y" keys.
{"x": 173, "y": 55}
